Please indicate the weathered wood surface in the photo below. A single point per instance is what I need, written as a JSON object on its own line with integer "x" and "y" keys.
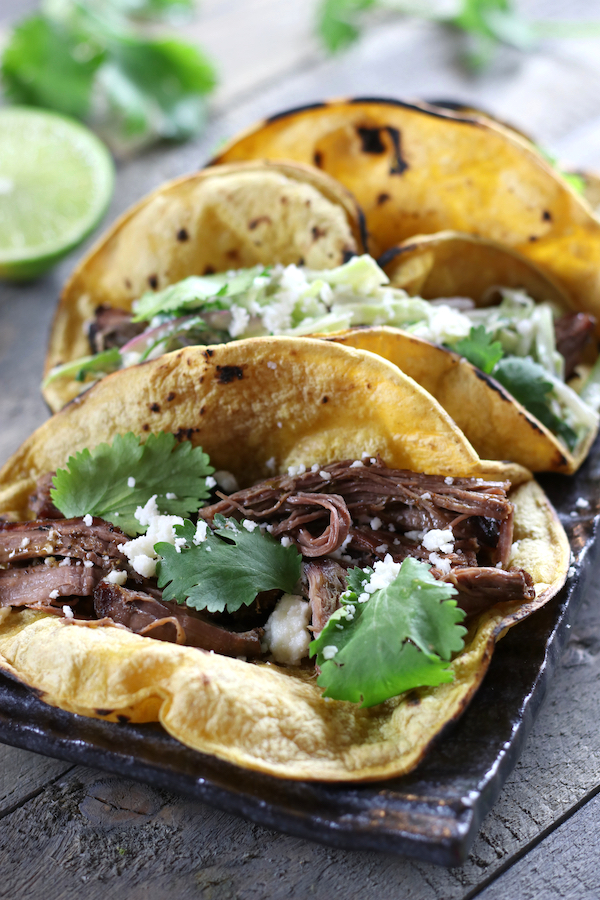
{"x": 68, "y": 832}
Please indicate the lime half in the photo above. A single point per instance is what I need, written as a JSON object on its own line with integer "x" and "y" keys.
{"x": 56, "y": 180}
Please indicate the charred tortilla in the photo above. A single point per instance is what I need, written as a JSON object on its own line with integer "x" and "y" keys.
{"x": 250, "y": 403}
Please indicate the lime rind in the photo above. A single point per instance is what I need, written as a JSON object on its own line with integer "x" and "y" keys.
{"x": 56, "y": 181}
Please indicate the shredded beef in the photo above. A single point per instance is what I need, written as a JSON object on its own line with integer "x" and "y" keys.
{"x": 99, "y": 542}
{"x": 480, "y": 588}
{"x": 326, "y": 581}
{"x": 112, "y": 327}
{"x": 32, "y": 586}
{"x": 40, "y": 502}
{"x": 573, "y": 333}
{"x": 166, "y": 621}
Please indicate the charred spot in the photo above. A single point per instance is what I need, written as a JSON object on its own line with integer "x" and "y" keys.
{"x": 227, "y": 374}
{"x": 533, "y": 238}
{"x": 154, "y": 407}
{"x": 370, "y": 139}
{"x": 400, "y": 165}
{"x": 171, "y": 396}
{"x": 547, "y": 216}
{"x": 347, "y": 254}
{"x": 123, "y": 720}
{"x": 182, "y": 235}
{"x": 202, "y": 379}
{"x": 318, "y": 232}
{"x": 103, "y": 712}
{"x": 285, "y": 200}
{"x": 300, "y": 261}
{"x": 153, "y": 281}
{"x": 128, "y": 284}
{"x": 325, "y": 400}
{"x": 233, "y": 254}
{"x": 383, "y": 198}
{"x": 493, "y": 385}
{"x": 318, "y": 159}
{"x": 413, "y": 699}
{"x": 185, "y": 434}
{"x": 296, "y": 109}
{"x": 208, "y": 270}
{"x": 145, "y": 427}
{"x": 207, "y": 353}
{"x": 254, "y": 223}
{"x": 202, "y": 410}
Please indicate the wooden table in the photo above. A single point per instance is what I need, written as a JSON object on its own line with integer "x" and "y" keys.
{"x": 71, "y": 832}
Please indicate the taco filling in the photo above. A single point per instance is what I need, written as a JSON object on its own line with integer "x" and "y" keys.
{"x": 366, "y": 568}
{"x": 532, "y": 349}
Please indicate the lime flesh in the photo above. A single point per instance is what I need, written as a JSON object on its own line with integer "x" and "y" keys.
{"x": 56, "y": 180}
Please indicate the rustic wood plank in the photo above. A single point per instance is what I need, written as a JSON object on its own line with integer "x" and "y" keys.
{"x": 24, "y": 774}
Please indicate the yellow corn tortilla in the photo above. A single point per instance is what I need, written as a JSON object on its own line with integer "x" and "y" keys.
{"x": 230, "y": 217}
{"x": 496, "y": 424}
{"x": 418, "y": 169}
{"x": 297, "y": 400}
{"x": 451, "y": 264}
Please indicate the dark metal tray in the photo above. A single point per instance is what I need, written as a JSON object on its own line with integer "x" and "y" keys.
{"x": 434, "y": 813}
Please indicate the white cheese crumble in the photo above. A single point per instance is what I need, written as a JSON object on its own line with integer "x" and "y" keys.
{"x": 438, "y": 539}
{"x": 357, "y": 464}
{"x": 201, "y": 529}
{"x": 286, "y": 632}
{"x": 249, "y": 525}
{"x": 145, "y": 514}
{"x": 170, "y": 496}
{"x": 286, "y": 541}
{"x": 581, "y": 503}
{"x": 426, "y": 496}
{"x": 140, "y": 551}
{"x": 87, "y": 520}
{"x": 269, "y": 465}
{"x": 382, "y": 548}
{"x": 65, "y": 562}
{"x": 315, "y": 467}
{"x": 25, "y": 542}
{"x": 448, "y": 479}
{"x": 227, "y": 481}
{"x": 440, "y": 563}
{"x": 375, "y": 523}
{"x": 384, "y": 573}
{"x": 88, "y": 564}
{"x": 117, "y": 576}
{"x": 326, "y": 476}
{"x": 296, "y": 470}
{"x": 131, "y": 482}
{"x": 329, "y": 651}
{"x": 68, "y": 612}
{"x": 240, "y": 318}
{"x": 210, "y": 482}
{"x": 53, "y": 594}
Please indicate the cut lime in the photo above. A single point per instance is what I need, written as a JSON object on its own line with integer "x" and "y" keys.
{"x": 56, "y": 180}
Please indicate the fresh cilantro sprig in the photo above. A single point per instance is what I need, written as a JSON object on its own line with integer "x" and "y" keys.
{"x": 480, "y": 349}
{"x": 90, "y": 59}
{"x": 226, "y": 570}
{"x": 112, "y": 480}
{"x": 486, "y": 24}
{"x": 402, "y": 637}
{"x": 527, "y": 381}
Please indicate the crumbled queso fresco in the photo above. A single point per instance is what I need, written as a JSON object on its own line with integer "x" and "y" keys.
{"x": 286, "y": 631}
{"x": 140, "y": 551}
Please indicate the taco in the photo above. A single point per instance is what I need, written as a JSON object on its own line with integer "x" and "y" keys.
{"x": 252, "y": 214}
{"x": 416, "y": 168}
{"x": 366, "y": 485}
{"x": 539, "y": 420}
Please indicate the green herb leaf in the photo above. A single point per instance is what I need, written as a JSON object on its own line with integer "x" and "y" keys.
{"x": 49, "y": 64}
{"x": 96, "y": 482}
{"x": 402, "y": 637}
{"x": 338, "y": 22}
{"x": 480, "y": 349}
{"x": 528, "y": 383}
{"x": 189, "y": 293}
{"x": 228, "y": 569}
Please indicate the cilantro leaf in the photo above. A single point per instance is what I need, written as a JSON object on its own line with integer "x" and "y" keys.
{"x": 401, "y": 638}
{"x": 97, "y": 482}
{"x": 527, "y": 381}
{"x": 480, "y": 349}
{"x": 228, "y": 569}
{"x": 339, "y": 22}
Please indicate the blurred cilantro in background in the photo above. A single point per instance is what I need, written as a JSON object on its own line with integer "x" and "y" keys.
{"x": 105, "y": 62}
{"x": 483, "y": 24}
